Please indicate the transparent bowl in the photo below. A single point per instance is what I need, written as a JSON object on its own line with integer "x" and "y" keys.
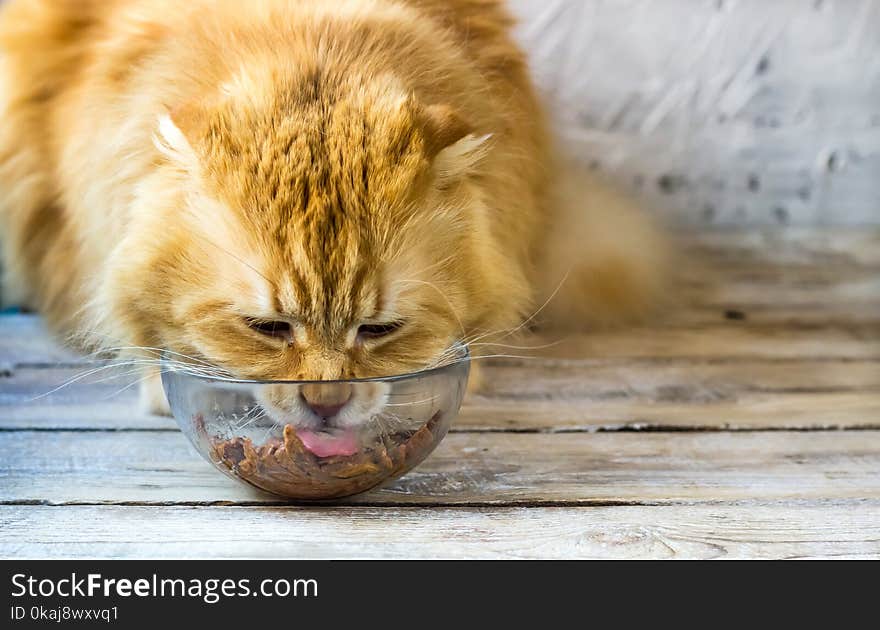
{"x": 319, "y": 439}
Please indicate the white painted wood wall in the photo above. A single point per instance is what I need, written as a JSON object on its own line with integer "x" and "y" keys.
{"x": 720, "y": 111}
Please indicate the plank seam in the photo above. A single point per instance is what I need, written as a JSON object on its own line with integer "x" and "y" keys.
{"x": 635, "y": 427}
{"x": 530, "y": 504}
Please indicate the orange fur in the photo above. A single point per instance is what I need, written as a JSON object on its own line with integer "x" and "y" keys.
{"x": 171, "y": 172}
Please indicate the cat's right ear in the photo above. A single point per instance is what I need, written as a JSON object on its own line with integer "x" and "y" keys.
{"x": 171, "y": 141}
{"x": 451, "y": 142}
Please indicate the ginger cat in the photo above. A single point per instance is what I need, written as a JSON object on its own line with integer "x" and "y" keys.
{"x": 295, "y": 189}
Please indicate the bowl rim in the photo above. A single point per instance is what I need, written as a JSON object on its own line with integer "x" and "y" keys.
{"x": 464, "y": 357}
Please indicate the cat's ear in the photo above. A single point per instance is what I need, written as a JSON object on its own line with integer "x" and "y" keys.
{"x": 172, "y": 141}
{"x": 442, "y": 127}
{"x": 451, "y": 142}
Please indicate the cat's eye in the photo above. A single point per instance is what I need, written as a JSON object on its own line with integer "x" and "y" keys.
{"x": 278, "y": 329}
{"x": 377, "y": 331}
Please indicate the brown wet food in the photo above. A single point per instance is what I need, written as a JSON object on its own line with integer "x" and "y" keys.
{"x": 284, "y": 466}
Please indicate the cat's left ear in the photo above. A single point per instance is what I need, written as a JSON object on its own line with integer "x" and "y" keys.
{"x": 451, "y": 142}
{"x": 171, "y": 140}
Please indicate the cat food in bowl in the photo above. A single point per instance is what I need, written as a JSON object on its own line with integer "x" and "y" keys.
{"x": 319, "y": 439}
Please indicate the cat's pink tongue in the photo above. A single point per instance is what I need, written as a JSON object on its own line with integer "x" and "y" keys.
{"x": 342, "y": 443}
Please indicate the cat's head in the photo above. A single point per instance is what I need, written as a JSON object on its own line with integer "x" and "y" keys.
{"x": 307, "y": 235}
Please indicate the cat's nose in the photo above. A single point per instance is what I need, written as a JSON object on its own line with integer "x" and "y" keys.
{"x": 325, "y": 411}
{"x": 326, "y": 399}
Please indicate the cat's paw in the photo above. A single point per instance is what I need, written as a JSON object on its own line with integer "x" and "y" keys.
{"x": 477, "y": 380}
{"x": 152, "y": 396}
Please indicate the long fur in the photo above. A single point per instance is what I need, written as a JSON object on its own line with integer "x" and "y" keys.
{"x": 170, "y": 172}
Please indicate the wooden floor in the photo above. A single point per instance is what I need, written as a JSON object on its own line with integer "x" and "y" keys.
{"x": 746, "y": 424}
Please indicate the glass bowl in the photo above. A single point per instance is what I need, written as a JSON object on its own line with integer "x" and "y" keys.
{"x": 316, "y": 439}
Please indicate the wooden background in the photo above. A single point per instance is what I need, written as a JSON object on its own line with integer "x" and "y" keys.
{"x": 720, "y": 111}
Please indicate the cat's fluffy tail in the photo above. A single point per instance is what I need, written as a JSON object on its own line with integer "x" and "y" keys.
{"x": 604, "y": 262}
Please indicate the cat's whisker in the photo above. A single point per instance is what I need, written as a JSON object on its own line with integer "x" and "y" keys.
{"x": 272, "y": 429}
{"x": 444, "y": 296}
{"x": 439, "y": 363}
{"x": 162, "y": 352}
{"x": 439, "y": 263}
{"x": 129, "y": 386}
{"x": 543, "y": 306}
{"x": 381, "y": 425}
{"x": 75, "y": 379}
{"x": 552, "y": 344}
{"x": 239, "y": 259}
{"x": 238, "y": 419}
{"x": 253, "y": 414}
{"x": 477, "y": 337}
{"x": 384, "y": 422}
{"x": 414, "y": 402}
{"x": 504, "y": 356}
{"x": 116, "y": 376}
{"x": 134, "y": 364}
{"x": 399, "y": 396}
{"x": 162, "y": 355}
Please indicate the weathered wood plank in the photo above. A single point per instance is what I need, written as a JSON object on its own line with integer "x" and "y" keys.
{"x": 824, "y": 245}
{"x": 748, "y": 394}
{"x": 487, "y": 468}
{"x": 680, "y": 380}
{"x": 846, "y": 341}
{"x": 807, "y": 313}
{"x": 544, "y": 394}
{"x": 764, "y": 411}
{"x": 771, "y": 411}
{"x": 24, "y": 338}
{"x": 52, "y": 397}
{"x": 786, "y": 530}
